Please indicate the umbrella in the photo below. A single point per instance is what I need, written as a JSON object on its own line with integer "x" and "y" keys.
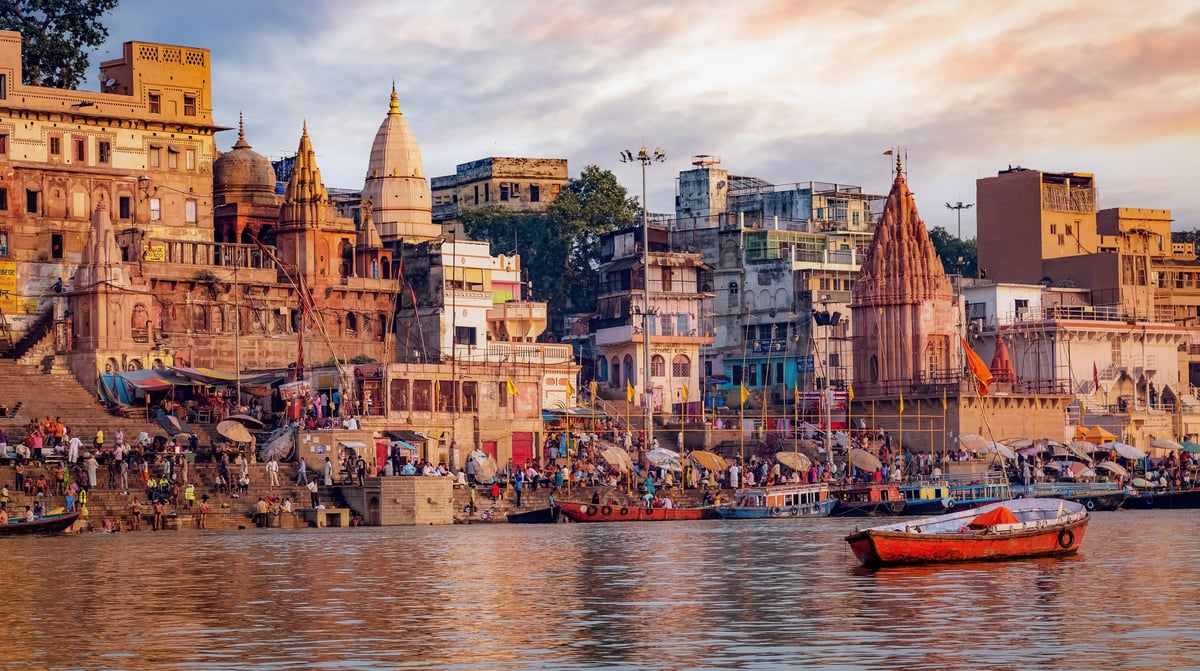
{"x": 1002, "y": 450}
{"x": 797, "y": 461}
{"x": 1164, "y": 444}
{"x": 708, "y": 460}
{"x": 1114, "y": 468}
{"x": 234, "y": 431}
{"x": 248, "y": 421}
{"x": 617, "y": 457}
{"x": 1191, "y": 447}
{"x": 864, "y": 460}
{"x": 660, "y": 454}
{"x": 170, "y": 424}
{"x": 1080, "y": 470}
{"x": 973, "y": 442}
{"x": 1098, "y": 434}
{"x": 1125, "y": 450}
{"x": 1019, "y": 443}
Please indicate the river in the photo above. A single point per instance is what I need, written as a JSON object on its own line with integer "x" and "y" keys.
{"x": 771, "y": 594}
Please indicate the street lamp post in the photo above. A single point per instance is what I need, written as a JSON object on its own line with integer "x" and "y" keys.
{"x": 959, "y": 207}
{"x": 646, "y": 158}
{"x": 828, "y": 320}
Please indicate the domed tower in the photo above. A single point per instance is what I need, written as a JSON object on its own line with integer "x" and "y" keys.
{"x": 244, "y": 199}
{"x": 905, "y": 320}
{"x": 396, "y": 184}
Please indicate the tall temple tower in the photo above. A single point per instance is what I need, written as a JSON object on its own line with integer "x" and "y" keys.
{"x": 904, "y": 315}
{"x": 396, "y": 184}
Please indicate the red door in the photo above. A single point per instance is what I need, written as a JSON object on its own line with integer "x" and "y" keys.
{"x": 489, "y": 448}
{"x": 522, "y": 447}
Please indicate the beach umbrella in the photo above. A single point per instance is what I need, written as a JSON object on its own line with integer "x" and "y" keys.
{"x": 617, "y": 457}
{"x": 1125, "y": 450}
{"x": 234, "y": 431}
{"x": 708, "y": 460}
{"x": 1193, "y": 448}
{"x": 797, "y": 461}
{"x": 1002, "y": 450}
{"x": 1019, "y": 443}
{"x": 1114, "y": 468}
{"x": 659, "y": 454}
{"x": 248, "y": 421}
{"x": 864, "y": 460}
{"x": 1080, "y": 470}
{"x": 973, "y": 442}
{"x": 1164, "y": 444}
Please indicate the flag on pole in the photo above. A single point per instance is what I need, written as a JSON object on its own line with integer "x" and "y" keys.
{"x": 570, "y": 388}
{"x": 983, "y": 376}
{"x": 850, "y": 392}
{"x": 944, "y": 405}
{"x": 745, "y": 393}
{"x": 901, "y": 403}
{"x": 629, "y": 393}
{"x": 888, "y": 152}
{"x": 683, "y": 392}
{"x": 512, "y": 387}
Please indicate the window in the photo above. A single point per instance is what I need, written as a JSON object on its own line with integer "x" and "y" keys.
{"x": 56, "y": 245}
{"x": 31, "y": 201}
{"x": 487, "y": 193}
{"x": 81, "y": 150}
{"x": 3, "y": 144}
{"x": 155, "y": 102}
{"x": 667, "y": 278}
{"x": 155, "y": 209}
{"x": 172, "y": 159}
{"x": 504, "y": 191}
{"x": 104, "y": 152}
{"x": 422, "y": 396}
{"x": 681, "y": 366}
{"x": 399, "y": 397}
{"x": 3, "y": 86}
{"x": 535, "y": 193}
{"x": 189, "y": 159}
{"x": 502, "y": 394}
{"x": 189, "y": 105}
{"x": 1053, "y": 229}
{"x": 155, "y": 156}
{"x": 124, "y": 207}
{"x": 464, "y": 335}
{"x": 3, "y": 199}
{"x": 666, "y": 323}
{"x": 55, "y": 145}
{"x": 737, "y": 374}
{"x": 189, "y": 211}
{"x": 658, "y": 366}
{"x": 683, "y": 322}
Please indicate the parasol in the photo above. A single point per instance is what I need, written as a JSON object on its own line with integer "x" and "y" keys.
{"x": 1114, "y": 468}
{"x": 1080, "y": 470}
{"x": 279, "y": 445}
{"x": 1193, "y": 448}
{"x": 1164, "y": 444}
{"x": 171, "y": 424}
{"x": 974, "y": 442}
{"x": 864, "y": 460}
{"x": 1019, "y": 443}
{"x": 708, "y": 460}
{"x": 617, "y": 458}
{"x": 248, "y": 421}
{"x": 234, "y": 431}
{"x": 797, "y": 461}
{"x": 659, "y": 454}
{"x": 1125, "y": 450}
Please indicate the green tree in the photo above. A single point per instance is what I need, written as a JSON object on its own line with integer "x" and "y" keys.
{"x": 560, "y": 248}
{"x": 55, "y": 36}
{"x": 958, "y": 256}
{"x": 1192, "y": 236}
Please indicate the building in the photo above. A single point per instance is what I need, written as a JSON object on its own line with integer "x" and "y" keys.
{"x": 516, "y": 184}
{"x": 679, "y": 307}
{"x": 395, "y": 184}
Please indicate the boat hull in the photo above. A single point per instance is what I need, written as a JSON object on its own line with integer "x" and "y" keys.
{"x": 869, "y": 508}
{"x": 822, "y": 509}
{"x": 45, "y": 526}
{"x": 588, "y": 512}
{"x": 914, "y": 543}
{"x": 549, "y": 515}
{"x": 1147, "y": 500}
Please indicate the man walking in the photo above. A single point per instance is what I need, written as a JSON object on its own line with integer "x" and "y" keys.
{"x": 273, "y": 472}
{"x": 302, "y": 472}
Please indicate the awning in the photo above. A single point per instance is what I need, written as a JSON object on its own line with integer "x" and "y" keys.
{"x": 217, "y": 378}
{"x": 153, "y": 380}
{"x": 402, "y": 444}
{"x": 406, "y": 436}
{"x": 352, "y": 443}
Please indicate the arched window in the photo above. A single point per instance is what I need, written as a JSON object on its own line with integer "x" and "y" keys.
{"x": 630, "y": 371}
{"x": 681, "y": 366}
{"x": 602, "y": 369}
{"x": 658, "y": 366}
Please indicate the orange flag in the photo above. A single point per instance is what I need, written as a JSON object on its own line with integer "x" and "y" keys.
{"x": 983, "y": 376}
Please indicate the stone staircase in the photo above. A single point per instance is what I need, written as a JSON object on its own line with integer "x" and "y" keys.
{"x": 41, "y": 394}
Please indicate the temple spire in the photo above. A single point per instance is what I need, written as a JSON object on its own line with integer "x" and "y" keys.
{"x": 241, "y": 141}
{"x": 394, "y": 105}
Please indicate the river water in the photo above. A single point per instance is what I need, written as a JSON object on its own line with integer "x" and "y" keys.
{"x": 771, "y": 594}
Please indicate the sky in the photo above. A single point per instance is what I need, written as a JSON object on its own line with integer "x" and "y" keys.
{"x": 786, "y": 91}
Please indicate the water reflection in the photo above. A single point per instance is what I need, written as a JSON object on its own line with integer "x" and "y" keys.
{"x": 703, "y": 595}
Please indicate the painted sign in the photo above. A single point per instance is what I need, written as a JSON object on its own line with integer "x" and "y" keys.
{"x": 8, "y": 286}
{"x": 154, "y": 253}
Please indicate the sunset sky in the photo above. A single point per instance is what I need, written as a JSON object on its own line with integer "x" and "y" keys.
{"x": 783, "y": 91}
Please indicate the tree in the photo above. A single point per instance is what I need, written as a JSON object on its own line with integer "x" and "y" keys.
{"x": 1192, "y": 236}
{"x": 560, "y": 248}
{"x": 55, "y": 36}
{"x": 958, "y": 256}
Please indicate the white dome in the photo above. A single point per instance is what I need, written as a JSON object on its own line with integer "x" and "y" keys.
{"x": 396, "y": 184}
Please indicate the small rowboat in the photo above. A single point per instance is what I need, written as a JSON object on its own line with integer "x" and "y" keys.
{"x": 1015, "y": 529}
{"x": 43, "y": 526}
{"x": 591, "y": 512}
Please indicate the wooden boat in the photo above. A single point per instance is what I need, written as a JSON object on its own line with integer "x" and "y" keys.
{"x": 868, "y": 499}
{"x": 548, "y": 515}
{"x": 1093, "y": 495}
{"x": 46, "y": 525}
{"x": 959, "y": 490}
{"x": 1016, "y": 529}
{"x": 799, "y": 500}
{"x": 1148, "y": 498}
{"x": 590, "y": 512}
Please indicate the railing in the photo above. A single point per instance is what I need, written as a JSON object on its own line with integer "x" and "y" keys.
{"x": 181, "y": 252}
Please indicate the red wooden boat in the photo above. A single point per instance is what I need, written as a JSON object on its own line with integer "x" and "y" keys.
{"x": 591, "y": 512}
{"x": 1014, "y": 529}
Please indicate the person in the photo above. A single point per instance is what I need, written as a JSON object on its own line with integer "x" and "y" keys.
{"x": 99, "y": 442}
{"x": 519, "y": 486}
{"x": 287, "y": 504}
{"x": 261, "y": 509}
{"x": 471, "y": 471}
{"x": 189, "y": 495}
{"x": 667, "y": 504}
{"x": 135, "y": 513}
{"x": 312, "y": 491}
{"x": 158, "y": 514}
{"x": 202, "y": 520}
{"x": 29, "y": 514}
{"x": 360, "y": 467}
{"x": 495, "y": 490}
{"x": 352, "y": 423}
{"x": 329, "y": 472}
{"x": 4, "y": 514}
{"x": 302, "y": 472}
{"x": 273, "y": 472}
{"x": 73, "y": 449}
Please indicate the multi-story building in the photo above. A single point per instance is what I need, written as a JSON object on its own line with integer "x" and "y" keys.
{"x": 678, "y": 311}
{"x": 518, "y": 184}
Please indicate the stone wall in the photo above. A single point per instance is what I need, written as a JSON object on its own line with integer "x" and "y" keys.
{"x": 404, "y": 501}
